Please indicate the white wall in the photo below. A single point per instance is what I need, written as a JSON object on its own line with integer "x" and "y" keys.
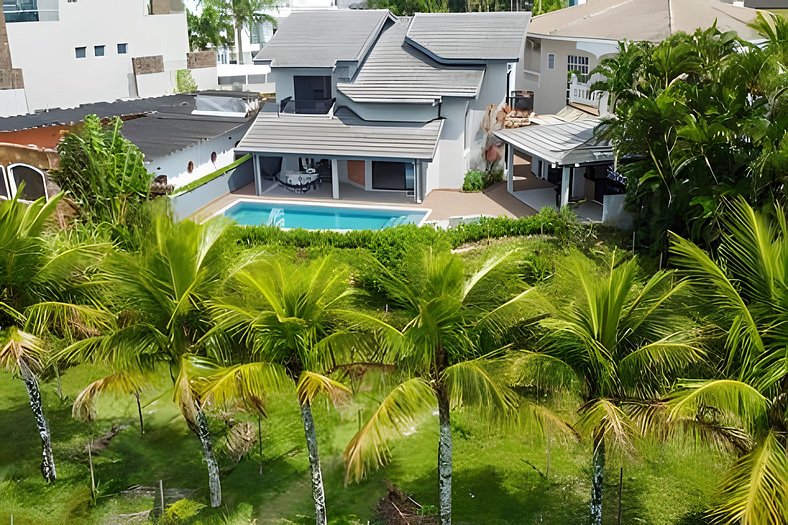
{"x": 13, "y": 102}
{"x": 175, "y": 164}
{"x": 206, "y": 78}
{"x": 55, "y": 78}
{"x": 550, "y": 86}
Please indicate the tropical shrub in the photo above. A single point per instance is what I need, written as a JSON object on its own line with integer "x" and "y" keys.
{"x": 182, "y": 511}
{"x": 477, "y": 180}
{"x": 390, "y": 245}
{"x": 699, "y": 118}
{"x": 184, "y": 81}
{"x": 105, "y": 174}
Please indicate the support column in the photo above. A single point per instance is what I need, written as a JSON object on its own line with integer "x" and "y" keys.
{"x": 416, "y": 182}
{"x": 258, "y": 181}
{"x": 334, "y": 178}
{"x": 509, "y": 168}
{"x": 566, "y": 182}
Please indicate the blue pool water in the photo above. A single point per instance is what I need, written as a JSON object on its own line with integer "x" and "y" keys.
{"x": 314, "y": 217}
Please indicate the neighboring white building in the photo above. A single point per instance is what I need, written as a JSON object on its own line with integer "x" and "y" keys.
{"x": 575, "y": 39}
{"x": 74, "y": 52}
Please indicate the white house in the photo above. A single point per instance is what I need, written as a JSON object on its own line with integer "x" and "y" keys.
{"x": 574, "y": 40}
{"x": 74, "y": 52}
{"x": 183, "y": 136}
{"x": 383, "y": 103}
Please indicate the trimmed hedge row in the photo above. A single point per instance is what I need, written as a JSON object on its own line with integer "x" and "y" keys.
{"x": 391, "y": 244}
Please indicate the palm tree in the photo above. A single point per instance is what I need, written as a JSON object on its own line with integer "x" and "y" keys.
{"x": 616, "y": 340}
{"x": 744, "y": 294}
{"x": 160, "y": 293}
{"x": 42, "y": 295}
{"x": 288, "y": 316}
{"x": 244, "y": 14}
{"x": 445, "y": 353}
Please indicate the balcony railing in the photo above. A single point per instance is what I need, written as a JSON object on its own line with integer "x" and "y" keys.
{"x": 581, "y": 93}
{"x": 306, "y": 107}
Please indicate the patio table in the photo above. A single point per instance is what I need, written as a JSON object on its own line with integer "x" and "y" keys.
{"x": 299, "y": 181}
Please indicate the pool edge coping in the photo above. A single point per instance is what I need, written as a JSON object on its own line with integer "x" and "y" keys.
{"x": 323, "y": 205}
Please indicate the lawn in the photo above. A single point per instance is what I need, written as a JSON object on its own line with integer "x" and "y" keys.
{"x": 494, "y": 482}
{"x": 500, "y": 475}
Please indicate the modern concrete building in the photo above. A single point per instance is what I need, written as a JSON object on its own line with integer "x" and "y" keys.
{"x": 67, "y": 52}
{"x": 384, "y": 103}
{"x": 573, "y": 41}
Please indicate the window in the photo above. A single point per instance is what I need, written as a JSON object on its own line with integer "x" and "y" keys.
{"x": 550, "y": 60}
{"x": 577, "y": 65}
{"x": 80, "y": 52}
{"x": 98, "y": 51}
{"x": 123, "y": 49}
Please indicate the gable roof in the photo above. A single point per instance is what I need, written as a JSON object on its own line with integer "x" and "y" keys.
{"x": 564, "y": 144}
{"x": 343, "y": 135}
{"x": 652, "y": 20}
{"x": 466, "y": 37}
{"x": 321, "y": 38}
{"x": 395, "y": 72}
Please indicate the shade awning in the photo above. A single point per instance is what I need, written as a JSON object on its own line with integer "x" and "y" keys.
{"x": 563, "y": 144}
{"x": 343, "y": 135}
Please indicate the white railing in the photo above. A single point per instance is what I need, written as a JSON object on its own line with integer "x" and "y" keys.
{"x": 581, "y": 92}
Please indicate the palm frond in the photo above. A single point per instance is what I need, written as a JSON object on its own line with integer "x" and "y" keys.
{"x": 753, "y": 491}
{"x": 21, "y": 351}
{"x": 603, "y": 417}
{"x": 542, "y": 371}
{"x": 249, "y": 383}
{"x": 119, "y": 383}
{"x": 547, "y": 421}
{"x": 473, "y": 383}
{"x": 311, "y": 384}
{"x": 731, "y": 397}
{"x": 397, "y": 414}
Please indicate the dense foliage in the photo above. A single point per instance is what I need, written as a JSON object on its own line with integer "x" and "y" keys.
{"x": 105, "y": 175}
{"x": 477, "y": 180}
{"x": 697, "y": 119}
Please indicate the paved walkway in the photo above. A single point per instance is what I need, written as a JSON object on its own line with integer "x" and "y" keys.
{"x": 494, "y": 201}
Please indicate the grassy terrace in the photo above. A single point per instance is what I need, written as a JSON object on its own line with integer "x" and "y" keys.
{"x": 501, "y": 476}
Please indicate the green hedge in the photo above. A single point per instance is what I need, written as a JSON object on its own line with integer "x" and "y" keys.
{"x": 390, "y": 245}
{"x": 193, "y": 185}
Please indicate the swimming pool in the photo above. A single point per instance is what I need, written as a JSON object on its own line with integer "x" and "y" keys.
{"x": 319, "y": 216}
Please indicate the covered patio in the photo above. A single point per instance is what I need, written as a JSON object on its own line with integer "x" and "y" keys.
{"x": 555, "y": 165}
{"x": 326, "y": 155}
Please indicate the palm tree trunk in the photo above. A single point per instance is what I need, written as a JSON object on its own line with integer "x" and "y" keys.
{"x": 239, "y": 46}
{"x": 318, "y": 494}
{"x": 214, "y": 483}
{"x": 444, "y": 458}
{"x": 47, "y": 458}
{"x": 139, "y": 412}
{"x": 598, "y": 478}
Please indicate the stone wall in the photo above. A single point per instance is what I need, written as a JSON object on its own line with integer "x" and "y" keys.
{"x": 148, "y": 65}
{"x": 201, "y": 59}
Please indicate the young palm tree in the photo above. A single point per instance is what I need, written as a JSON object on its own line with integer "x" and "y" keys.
{"x": 288, "y": 316}
{"x": 41, "y": 295}
{"x": 745, "y": 295}
{"x": 618, "y": 340}
{"x": 160, "y": 292}
{"x": 445, "y": 354}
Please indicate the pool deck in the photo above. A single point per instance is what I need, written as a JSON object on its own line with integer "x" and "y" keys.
{"x": 494, "y": 201}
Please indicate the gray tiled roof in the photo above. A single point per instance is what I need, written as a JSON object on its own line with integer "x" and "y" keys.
{"x": 395, "y": 72}
{"x": 564, "y": 144}
{"x": 463, "y": 37}
{"x": 344, "y": 135}
{"x": 320, "y": 38}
